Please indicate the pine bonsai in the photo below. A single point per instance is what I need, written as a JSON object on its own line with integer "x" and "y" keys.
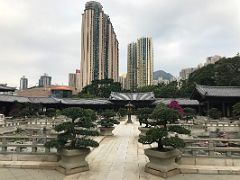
{"x": 162, "y": 115}
{"x": 122, "y": 112}
{"x": 236, "y": 110}
{"x": 75, "y": 134}
{"x": 107, "y": 119}
{"x": 214, "y": 113}
{"x": 143, "y": 115}
{"x": 189, "y": 113}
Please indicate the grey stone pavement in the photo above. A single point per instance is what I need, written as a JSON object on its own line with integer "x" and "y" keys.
{"x": 120, "y": 157}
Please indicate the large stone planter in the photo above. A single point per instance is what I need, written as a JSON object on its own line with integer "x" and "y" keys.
{"x": 162, "y": 163}
{"x": 106, "y": 131}
{"x": 143, "y": 131}
{"x": 73, "y": 161}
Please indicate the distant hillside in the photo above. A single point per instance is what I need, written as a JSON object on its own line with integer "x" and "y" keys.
{"x": 163, "y": 74}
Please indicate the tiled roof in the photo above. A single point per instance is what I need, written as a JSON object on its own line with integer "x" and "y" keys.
{"x": 34, "y": 100}
{"x": 115, "y": 96}
{"x": 181, "y": 101}
{"x": 219, "y": 91}
{"x": 85, "y": 101}
{"x": 10, "y": 98}
{"x": 43, "y": 100}
{"x": 6, "y": 88}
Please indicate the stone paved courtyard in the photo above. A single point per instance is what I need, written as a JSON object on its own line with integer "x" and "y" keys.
{"x": 119, "y": 157}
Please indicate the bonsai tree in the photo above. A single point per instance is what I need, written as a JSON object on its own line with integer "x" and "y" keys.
{"x": 236, "y": 110}
{"x": 76, "y": 133}
{"x": 175, "y": 106}
{"x": 189, "y": 113}
{"x": 122, "y": 112}
{"x": 214, "y": 113}
{"x": 143, "y": 115}
{"x": 51, "y": 112}
{"x": 162, "y": 115}
{"x": 107, "y": 119}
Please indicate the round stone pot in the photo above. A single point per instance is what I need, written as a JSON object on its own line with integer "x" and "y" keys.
{"x": 73, "y": 161}
{"x": 162, "y": 163}
{"x": 106, "y": 131}
{"x": 143, "y": 131}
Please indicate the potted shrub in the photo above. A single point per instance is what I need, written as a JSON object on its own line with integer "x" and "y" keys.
{"x": 122, "y": 112}
{"x": 189, "y": 114}
{"x": 107, "y": 122}
{"x": 162, "y": 158}
{"x": 143, "y": 115}
{"x": 74, "y": 140}
{"x": 214, "y": 113}
{"x": 236, "y": 110}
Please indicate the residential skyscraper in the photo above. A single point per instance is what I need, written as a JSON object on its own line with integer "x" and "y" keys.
{"x": 45, "y": 80}
{"x": 140, "y": 63}
{"x": 74, "y": 80}
{"x": 185, "y": 73}
{"x": 99, "y": 46}
{"x": 23, "y": 83}
{"x": 144, "y": 62}
{"x": 132, "y": 66}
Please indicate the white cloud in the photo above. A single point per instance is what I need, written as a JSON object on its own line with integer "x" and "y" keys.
{"x": 44, "y": 35}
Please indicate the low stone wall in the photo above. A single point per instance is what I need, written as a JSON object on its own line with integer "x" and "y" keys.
{"x": 29, "y": 157}
{"x": 208, "y": 161}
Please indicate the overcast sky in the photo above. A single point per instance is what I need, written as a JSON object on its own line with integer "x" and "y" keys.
{"x": 43, "y": 36}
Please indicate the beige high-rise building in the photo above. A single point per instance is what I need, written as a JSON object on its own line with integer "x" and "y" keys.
{"x": 132, "y": 66}
{"x": 123, "y": 80}
{"x": 74, "y": 80}
{"x": 140, "y": 63}
{"x": 99, "y": 46}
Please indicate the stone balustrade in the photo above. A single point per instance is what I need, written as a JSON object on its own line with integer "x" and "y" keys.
{"x": 212, "y": 147}
{"x": 25, "y": 144}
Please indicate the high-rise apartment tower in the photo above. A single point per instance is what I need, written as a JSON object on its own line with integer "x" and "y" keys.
{"x": 23, "y": 83}
{"x": 99, "y": 46}
{"x": 140, "y": 63}
{"x": 45, "y": 80}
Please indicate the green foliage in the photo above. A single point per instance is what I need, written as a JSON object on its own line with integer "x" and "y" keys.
{"x": 214, "y": 113}
{"x": 100, "y": 88}
{"x": 189, "y": 113}
{"x": 143, "y": 115}
{"x": 122, "y": 112}
{"x": 76, "y": 134}
{"x": 51, "y": 112}
{"x": 236, "y": 110}
{"x": 179, "y": 129}
{"x": 163, "y": 115}
{"x": 159, "y": 133}
{"x": 174, "y": 142}
{"x": 73, "y": 113}
{"x": 225, "y": 72}
{"x": 107, "y": 119}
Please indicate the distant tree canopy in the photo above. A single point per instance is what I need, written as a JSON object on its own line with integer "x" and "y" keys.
{"x": 100, "y": 88}
{"x": 225, "y": 72}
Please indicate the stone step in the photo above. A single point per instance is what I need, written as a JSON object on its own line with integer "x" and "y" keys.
{"x": 200, "y": 169}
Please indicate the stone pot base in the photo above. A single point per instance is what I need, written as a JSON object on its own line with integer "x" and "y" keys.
{"x": 106, "y": 131}
{"x": 73, "y": 170}
{"x": 167, "y": 174}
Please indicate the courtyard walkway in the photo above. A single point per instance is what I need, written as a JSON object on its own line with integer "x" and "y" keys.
{"x": 120, "y": 157}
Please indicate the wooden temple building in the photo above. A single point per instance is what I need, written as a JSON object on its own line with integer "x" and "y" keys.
{"x": 202, "y": 99}
{"x": 221, "y": 97}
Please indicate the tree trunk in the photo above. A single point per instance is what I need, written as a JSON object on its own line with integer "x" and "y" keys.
{"x": 160, "y": 145}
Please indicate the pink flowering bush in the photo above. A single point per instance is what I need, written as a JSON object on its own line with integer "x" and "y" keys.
{"x": 174, "y": 105}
